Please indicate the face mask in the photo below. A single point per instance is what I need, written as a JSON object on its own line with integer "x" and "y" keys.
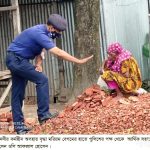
{"x": 54, "y": 35}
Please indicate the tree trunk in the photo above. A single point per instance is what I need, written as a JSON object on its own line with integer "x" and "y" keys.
{"x": 87, "y": 42}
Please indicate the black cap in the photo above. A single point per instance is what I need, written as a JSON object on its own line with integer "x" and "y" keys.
{"x": 58, "y": 22}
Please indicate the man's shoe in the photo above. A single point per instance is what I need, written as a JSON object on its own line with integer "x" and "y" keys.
{"x": 50, "y": 116}
{"x": 25, "y": 130}
{"x": 22, "y": 132}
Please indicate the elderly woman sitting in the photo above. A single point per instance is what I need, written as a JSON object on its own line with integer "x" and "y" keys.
{"x": 120, "y": 71}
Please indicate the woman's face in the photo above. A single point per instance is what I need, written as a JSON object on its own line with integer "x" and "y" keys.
{"x": 112, "y": 56}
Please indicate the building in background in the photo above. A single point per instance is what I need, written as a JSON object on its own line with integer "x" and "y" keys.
{"x": 125, "y": 21}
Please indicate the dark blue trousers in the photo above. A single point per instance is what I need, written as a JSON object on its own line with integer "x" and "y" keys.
{"x": 22, "y": 71}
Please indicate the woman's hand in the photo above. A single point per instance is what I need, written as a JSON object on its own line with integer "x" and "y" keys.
{"x": 101, "y": 71}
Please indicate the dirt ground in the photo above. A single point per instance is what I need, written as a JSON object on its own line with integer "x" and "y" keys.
{"x": 30, "y": 111}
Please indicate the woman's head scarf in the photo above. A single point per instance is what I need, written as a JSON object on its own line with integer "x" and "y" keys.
{"x": 121, "y": 55}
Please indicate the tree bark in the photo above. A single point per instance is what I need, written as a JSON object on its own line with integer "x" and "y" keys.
{"x": 87, "y": 42}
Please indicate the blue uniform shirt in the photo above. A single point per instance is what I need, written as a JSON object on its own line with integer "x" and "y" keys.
{"x": 31, "y": 41}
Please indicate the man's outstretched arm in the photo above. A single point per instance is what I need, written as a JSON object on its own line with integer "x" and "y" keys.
{"x": 64, "y": 55}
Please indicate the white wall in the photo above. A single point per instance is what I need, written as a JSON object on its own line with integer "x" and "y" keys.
{"x": 126, "y": 21}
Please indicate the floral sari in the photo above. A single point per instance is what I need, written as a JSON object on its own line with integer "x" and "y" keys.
{"x": 122, "y": 73}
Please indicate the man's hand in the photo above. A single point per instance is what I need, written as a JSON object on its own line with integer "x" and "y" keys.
{"x": 38, "y": 68}
{"x": 66, "y": 56}
{"x": 84, "y": 60}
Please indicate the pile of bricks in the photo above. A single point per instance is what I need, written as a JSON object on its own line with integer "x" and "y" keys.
{"x": 94, "y": 112}
{"x": 6, "y": 123}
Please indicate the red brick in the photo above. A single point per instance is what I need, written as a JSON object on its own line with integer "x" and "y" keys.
{"x": 89, "y": 91}
{"x": 106, "y": 101}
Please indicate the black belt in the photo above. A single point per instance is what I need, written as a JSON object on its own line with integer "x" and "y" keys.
{"x": 10, "y": 52}
{"x": 16, "y": 55}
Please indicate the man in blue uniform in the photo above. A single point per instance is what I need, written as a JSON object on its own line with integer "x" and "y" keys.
{"x": 28, "y": 45}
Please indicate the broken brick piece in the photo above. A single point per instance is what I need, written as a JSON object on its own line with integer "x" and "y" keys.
{"x": 106, "y": 101}
{"x": 88, "y": 99}
{"x": 89, "y": 91}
